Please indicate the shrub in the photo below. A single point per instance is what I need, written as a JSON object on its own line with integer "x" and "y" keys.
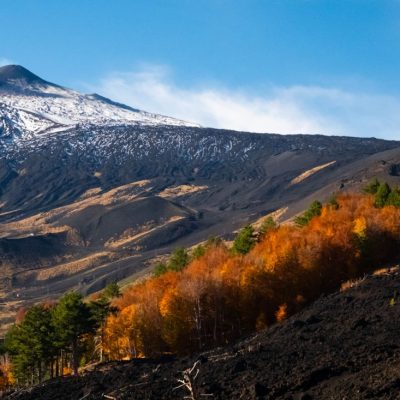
{"x": 313, "y": 211}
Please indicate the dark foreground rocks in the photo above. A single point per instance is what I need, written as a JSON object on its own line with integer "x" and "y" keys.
{"x": 345, "y": 346}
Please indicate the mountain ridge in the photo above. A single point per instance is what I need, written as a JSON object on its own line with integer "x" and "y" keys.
{"x": 17, "y": 74}
{"x": 60, "y": 182}
{"x": 32, "y": 106}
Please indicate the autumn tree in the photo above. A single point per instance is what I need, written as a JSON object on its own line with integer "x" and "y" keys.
{"x": 214, "y": 298}
{"x": 6, "y": 377}
{"x": 100, "y": 309}
{"x": 221, "y": 295}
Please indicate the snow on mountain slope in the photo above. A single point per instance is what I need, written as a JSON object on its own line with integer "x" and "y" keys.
{"x": 30, "y": 106}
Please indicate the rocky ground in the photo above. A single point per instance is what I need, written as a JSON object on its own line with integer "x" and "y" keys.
{"x": 344, "y": 346}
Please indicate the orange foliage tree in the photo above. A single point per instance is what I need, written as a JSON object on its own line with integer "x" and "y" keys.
{"x": 222, "y": 295}
{"x": 6, "y": 377}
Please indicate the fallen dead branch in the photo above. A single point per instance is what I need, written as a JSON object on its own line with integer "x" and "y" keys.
{"x": 106, "y": 396}
{"x": 188, "y": 380}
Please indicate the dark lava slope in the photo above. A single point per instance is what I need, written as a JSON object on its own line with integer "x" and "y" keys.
{"x": 49, "y": 171}
{"x": 344, "y": 346}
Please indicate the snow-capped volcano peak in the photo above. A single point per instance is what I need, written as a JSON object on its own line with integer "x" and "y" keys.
{"x": 29, "y": 106}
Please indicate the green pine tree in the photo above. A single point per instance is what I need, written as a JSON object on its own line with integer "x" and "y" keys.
{"x": 244, "y": 240}
{"x": 372, "y": 186}
{"x": 72, "y": 319}
{"x": 267, "y": 225}
{"x": 178, "y": 260}
{"x": 382, "y": 195}
{"x": 394, "y": 198}
{"x": 313, "y": 211}
{"x": 333, "y": 203}
{"x": 198, "y": 251}
{"x": 111, "y": 291}
{"x": 160, "y": 269}
{"x": 214, "y": 241}
{"x": 31, "y": 344}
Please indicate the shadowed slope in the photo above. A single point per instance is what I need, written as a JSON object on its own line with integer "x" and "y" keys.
{"x": 345, "y": 346}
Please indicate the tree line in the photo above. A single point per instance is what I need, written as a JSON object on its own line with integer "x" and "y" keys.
{"x": 225, "y": 293}
{"x": 53, "y": 338}
{"x": 214, "y": 294}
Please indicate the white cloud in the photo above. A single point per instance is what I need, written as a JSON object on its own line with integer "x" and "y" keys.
{"x": 5, "y": 61}
{"x": 295, "y": 109}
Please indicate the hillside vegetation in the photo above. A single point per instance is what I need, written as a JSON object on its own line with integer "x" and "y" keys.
{"x": 342, "y": 346}
{"x": 216, "y": 295}
{"x": 224, "y": 294}
{"x": 95, "y": 204}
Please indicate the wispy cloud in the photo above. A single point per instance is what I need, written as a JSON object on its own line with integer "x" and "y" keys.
{"x": 294, "y": 109}
{"x": 5, "y": 61}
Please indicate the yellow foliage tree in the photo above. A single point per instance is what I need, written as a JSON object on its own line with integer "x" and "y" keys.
{"x": 222, "y": 295}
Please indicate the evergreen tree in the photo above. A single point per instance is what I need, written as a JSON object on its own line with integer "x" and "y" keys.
{"x": 160, "y": 269}
{"x": 394, "y": 198}
{"x": 372, "y": 186}
{"x": 201, "y": 249}
{"x": 313, "y": 211}
{"x": 267, "y": 225}
{"x": 333, "y": 203}
{"x": 21, "y": 353}
{"x": 382, "y": 195}
{"x": 214, "y": 241}
{"x": 178, "y": 260}
{"x": 198, "y": 251}
{"x": 72, "y": 320}
{"x": 244, "y": 240}
{"x": 31, "y": 344}
{"x": 111, "y": 291}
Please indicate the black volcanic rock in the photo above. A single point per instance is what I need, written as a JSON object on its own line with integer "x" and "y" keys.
{"x": 53, "y": 165}
{"x": 96, "y": 96}
{"x": 333, "y": 360}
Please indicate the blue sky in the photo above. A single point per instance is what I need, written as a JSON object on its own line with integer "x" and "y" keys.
{"x": 312, "y": 66}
